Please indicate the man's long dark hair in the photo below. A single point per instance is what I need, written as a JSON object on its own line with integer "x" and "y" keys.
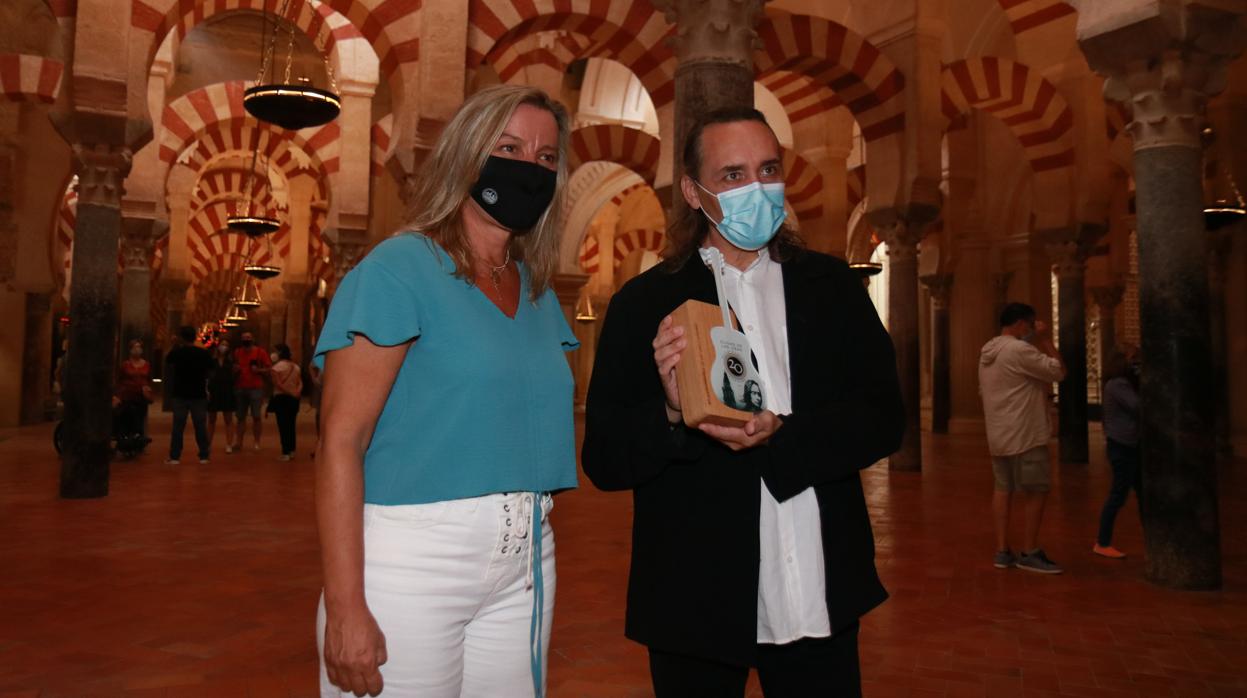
{"x": 689, "y": 228}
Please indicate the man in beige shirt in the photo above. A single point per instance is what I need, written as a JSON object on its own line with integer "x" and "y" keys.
{"x": 1015, "y": 369}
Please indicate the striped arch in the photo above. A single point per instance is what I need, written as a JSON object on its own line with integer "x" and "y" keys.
{"x": 856, "y": 186}
{"x": 63, "y": 236}
{"x": 230, "y": 183}
{"x": 212, "y": 294}
{"x": 803, "y": 186}
{"x": 862, "y": 77}
{"x": 26, "y": 78}
{"x": 382, "y": 144}
{"x": 628, "y": 242}
{"x": 211, "y": 249}
{"x": 629, "y": 32}
{"x": 1021, "y": 98}
{"x": 799, "y": 95}
{"x": 387, "y": 25}
{"x": 630, "y": 147}
{"x": 211, "y": 120}
{"x": 1024, "y": 15}
{"x": 590, "y": 248}
{"x": 556, "y": 50}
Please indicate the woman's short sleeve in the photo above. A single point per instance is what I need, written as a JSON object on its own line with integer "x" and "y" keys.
{"x": 566, "y": 335}
{"x": 371, "y": 301}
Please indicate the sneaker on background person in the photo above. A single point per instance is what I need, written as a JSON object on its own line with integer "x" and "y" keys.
{"x": 1037, "y": 561}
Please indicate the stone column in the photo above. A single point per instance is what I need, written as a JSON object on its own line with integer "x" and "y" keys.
{"x": 1108, "y": 298}
{"x": 902, "y": 239}
{"x": 1000, "y": 288}
{"x": 276, "y": 315}
{"x": 296, "y": 312}
{"x": 1071, "y": 270}
{"x": 714, "y": 46}
{"x": 1220, "y": 246}
{"x": 138, "y": 240}
{"x": 346, "y": 248}
{"x": 940, "y": 287}
{"x": 1166, "y": 64}
{"x": 91, "y": 363}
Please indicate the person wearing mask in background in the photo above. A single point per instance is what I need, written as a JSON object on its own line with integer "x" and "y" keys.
{"x": 1121, "y": 436}
{"x": 448, "y": 421}
{"x": 251, "y": 364}
{"x": 189, "y": 368}
{"x": 1016, "y": 369}
{"x": 221, "y": 396}
{"x": 287, "y": 386}
{"x": 134, "y": 393}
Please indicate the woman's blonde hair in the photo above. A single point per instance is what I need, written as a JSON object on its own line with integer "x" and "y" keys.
{"x": 447, "y": 175}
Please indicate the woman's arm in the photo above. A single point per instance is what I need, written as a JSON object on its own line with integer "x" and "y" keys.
{"x": 357, "y": 381}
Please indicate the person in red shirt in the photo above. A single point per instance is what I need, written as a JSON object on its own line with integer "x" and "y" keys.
{"x": 133, "y": 391}
{"x": 251, "y": 364}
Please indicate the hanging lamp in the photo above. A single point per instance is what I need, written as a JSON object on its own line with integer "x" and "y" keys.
{"x": 291, "y": 104}
{"x": 1227, "y": 206}
{"x": 247, "y": 294}
{"x": 257, "y": 270}
{"x": 248, "y": 218}
{"x": 866, "y": 269}
{"x": 236, "y": 315}
{"x": 584, "y": 308}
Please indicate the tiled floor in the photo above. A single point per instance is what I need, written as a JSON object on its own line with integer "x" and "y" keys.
{"x": 202, "y": 581}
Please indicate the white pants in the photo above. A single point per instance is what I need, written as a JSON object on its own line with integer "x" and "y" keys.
{"x": 450, "y": 585}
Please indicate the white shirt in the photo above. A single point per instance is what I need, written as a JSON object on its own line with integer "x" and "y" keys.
{"x": 792, "y": 603}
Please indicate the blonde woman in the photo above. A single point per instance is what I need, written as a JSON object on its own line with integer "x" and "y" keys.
{"x": 447, "y": 415}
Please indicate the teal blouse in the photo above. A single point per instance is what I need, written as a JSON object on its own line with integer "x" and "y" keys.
{"x": 481, "y": 404}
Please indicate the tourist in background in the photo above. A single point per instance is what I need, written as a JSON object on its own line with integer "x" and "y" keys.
{"x": 189, "y": 368}
{"x": 221, "y": 397}
{"x": 1121, "y": 436}
{"x": 251, "y": 364}
{"x": 287, "y": 386}
{"x": 134, "y": 393}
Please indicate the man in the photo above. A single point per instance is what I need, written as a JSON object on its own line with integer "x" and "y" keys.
{"x": 751, "y": 545}
{"x": 189, "y": 367}
{"x": 251, "y": 364}
{"x": 1015, "y": 370}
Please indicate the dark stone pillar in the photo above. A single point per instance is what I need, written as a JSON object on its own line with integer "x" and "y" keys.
{"x": 91, "y": 364}
{"x": 714, "y": 47}
{"x": 903, "y": 326}
{"x": 1219, "y": 250}
{"x": 137, "y": 243}
{"x": 296, "y": 317}
{"x": 1000, "y": 286}
{"x": 1072, "y": 405}
{"x": 940, "y": 287}
{"x": 1107, "y": 298}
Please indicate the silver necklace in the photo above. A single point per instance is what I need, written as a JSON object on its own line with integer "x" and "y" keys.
{"x": 495, "y": 273}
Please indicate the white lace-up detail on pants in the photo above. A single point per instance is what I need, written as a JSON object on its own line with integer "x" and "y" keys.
{"x": 452, "y": 586}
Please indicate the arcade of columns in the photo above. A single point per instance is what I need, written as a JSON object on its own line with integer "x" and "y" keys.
{"x": 984, "y": 150}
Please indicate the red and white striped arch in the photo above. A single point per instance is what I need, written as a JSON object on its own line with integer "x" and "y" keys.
{"x": 382, "y": 144}
{"x": 387, "y": 25}
{"x": 556, "y": 50}
{"x": 630, "y": 147}
{"x": 212, "y": 249}
{"x": 800, "y": 95}
{"x": 626, "y": 31}
{"x": 1021, "y": 98}
{"x": 863, "y": 78}
{"x": 26, "y": 78}
{"x": 803, "y": 186}
{"x": 590, "y": 252}
{"x": 229, "y": 183}
{"x": 211, "y": 121}
{"x": 632, "y": 240}
{"x": 63, "y": 236}
{"x": 1025, "y": 15}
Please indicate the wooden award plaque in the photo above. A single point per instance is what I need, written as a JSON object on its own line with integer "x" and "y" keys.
{"x": 700, "y": 399}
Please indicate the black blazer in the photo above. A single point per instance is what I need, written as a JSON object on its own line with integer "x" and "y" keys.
{"x": 693, "y": 586}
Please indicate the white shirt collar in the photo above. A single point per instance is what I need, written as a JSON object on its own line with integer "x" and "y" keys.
{"x": 764, "y": 257}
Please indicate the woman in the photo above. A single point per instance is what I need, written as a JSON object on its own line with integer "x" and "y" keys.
{"x": 447, "y": 415}
{"x": 1121, "y": 434}
{"x": 221, "y": 396}
{"x": 134, "y": 393}
{"x": 287, "y": 386}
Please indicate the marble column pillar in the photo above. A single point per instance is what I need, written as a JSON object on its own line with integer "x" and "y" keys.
{"x": 1000, "y": 298}
{"x": 296, "y": 312}
{"x": 1166, "y": 64}
{"x": 902, "y": 240}
{"x": 1071, "y": 270}
{"x": 138, "y": 240}
{"x": 1219, "y": 249}
{"x": 940, "y": 288}
{"x": 91, "y": 362}
{"x": 714, "y": 48}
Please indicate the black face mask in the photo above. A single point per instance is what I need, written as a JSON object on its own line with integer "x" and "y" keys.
{"x": 247, "y": 342}
{"x": 514, "y": 192}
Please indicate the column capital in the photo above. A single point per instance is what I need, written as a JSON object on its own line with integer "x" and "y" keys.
{"x": 102, "y": 170}
{"x": 138, "y": 241}
{"x": 1107, "y": 297}
{"x": 713, "y": 32}
{"x": 346, "y": 247}
{"x": 940, "y": 287}
{"x": 1164, "y": 65}
{"x": 1069, "y": 248}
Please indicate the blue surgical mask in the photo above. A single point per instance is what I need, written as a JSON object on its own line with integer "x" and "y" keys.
{"x": 752, "y": 214}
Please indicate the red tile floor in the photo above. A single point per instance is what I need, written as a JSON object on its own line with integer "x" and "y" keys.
{"x": 201, "y": 580}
